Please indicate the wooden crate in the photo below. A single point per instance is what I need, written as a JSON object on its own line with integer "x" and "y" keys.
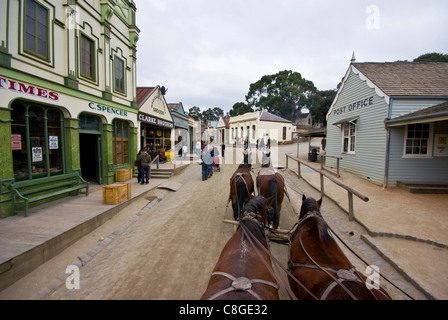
{"x": 116, "y": 193}
{"x": 122, "y": 175}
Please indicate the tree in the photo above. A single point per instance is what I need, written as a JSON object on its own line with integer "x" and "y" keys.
{"x": 320, "y": 104}
{"x": 195, "y": 113}
{"x": 432, "y": 57}
{"x": 209, "y": 115}
{"x": 283, "y": 94}
{"x": 240, "y": 108}
{"x": 217, "y": 112}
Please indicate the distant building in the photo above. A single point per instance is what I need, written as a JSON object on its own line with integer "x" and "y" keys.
{"x": 305, "y": 121}
{"x": 260, "y": 125}
{"x": 389, "y": 122}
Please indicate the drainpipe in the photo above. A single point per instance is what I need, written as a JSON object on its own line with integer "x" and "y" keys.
{"x": 386, "y": 160}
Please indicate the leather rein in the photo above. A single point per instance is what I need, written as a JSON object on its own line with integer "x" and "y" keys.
{"x": 341, "y": 275}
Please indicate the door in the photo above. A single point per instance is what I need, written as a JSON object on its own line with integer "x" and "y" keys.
{"x": 90, "y": 153}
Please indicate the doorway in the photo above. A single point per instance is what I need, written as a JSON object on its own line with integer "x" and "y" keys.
{"x": 89, "y": 147}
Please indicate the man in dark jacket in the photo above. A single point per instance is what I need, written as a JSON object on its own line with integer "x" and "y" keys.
{"x": 145, "y": 161}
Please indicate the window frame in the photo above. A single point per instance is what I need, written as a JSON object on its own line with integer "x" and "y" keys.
{"x": 352, "y": 125}
{"x": 116, "y": 88}
{"x": 430, "y": 142}
{"x": 35, "y": 50}
{"x": 92, "y": 57}
{"x": 33, "y": 172}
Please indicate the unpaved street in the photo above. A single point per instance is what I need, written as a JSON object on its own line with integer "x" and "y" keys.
{"x": 165, "y": 245}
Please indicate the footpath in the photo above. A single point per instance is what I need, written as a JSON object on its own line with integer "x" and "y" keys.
{"x": 409, "y": 230}
{"x": 49, "y": 229}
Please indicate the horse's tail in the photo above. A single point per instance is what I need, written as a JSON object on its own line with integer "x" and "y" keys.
{"x": 240, "y": 195}
{"x": 273, "y": 192}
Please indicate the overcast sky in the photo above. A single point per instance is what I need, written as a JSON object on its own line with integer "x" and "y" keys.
{"x": 208, "y": 52}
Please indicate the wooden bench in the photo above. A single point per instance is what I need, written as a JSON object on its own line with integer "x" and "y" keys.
{"x": 22, "y": 191}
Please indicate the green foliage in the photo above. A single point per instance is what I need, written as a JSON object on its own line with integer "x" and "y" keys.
{"x": 432, "y": 57}
{"x": 195, "y": 113}
{"x": 283, "y": 94}
{"x": 240, "y": 108}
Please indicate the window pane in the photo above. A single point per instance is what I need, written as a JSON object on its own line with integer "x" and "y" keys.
{"x": 55, "y": 141}
{"x": 37, "y": 141}
{"x": 345, "y": 144}
{"x": 18, "y": 129}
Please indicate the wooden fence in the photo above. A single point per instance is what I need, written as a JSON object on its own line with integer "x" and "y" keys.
{"x": 323, "y": 175}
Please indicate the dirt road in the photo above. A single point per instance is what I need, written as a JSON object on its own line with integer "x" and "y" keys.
{"x": 165, "y": 245}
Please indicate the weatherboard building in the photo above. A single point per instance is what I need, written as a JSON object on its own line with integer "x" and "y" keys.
{"x": 389, "y": 122}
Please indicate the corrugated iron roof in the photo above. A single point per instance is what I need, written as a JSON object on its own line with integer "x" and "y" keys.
{"x": 143, "y": 93}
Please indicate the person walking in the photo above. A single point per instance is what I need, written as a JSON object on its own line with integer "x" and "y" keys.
{"x": 145, "y": 161}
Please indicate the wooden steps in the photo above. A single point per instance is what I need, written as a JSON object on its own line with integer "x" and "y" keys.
{"x": 424, "y": 187}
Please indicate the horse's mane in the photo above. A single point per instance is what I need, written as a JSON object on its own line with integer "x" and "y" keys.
{"x": 244, "y": 165}
{"x": 309, "y": 205}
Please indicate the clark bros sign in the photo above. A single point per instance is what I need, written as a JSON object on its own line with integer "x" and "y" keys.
{"x": 154, "y": 121}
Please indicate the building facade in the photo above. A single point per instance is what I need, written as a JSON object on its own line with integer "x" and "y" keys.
{"x": 155, "y": 122}
{"x": 389, "y": 122}
{"x": 181, "y": 127}
{"x": 260, "y": 125}
{"x": 67, "y": 90}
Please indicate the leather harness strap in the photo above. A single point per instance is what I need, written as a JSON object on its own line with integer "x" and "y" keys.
{"x": 241, "y": 284}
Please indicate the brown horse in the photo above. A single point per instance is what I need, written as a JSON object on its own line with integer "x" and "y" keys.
{"x": 318, "y": 262}
{"x": 241, "y": 187}
{"x": 244, "y": 271}
{"x": 271, "y": 184}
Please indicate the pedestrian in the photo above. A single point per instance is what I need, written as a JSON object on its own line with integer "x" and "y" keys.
{"x": 137, "y": 163}
{"x": 212, "y": 155}
{"x": 206, "y": 161}
{"x": 261, "y": 145}
{"x": 145, "y": 161}
{"x": 269, "y": 143}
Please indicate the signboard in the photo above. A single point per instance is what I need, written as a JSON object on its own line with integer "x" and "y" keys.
{"x": 154, "y": 121}
{"x": 441, "y": 145}
{"x": 53, "y": 142}
{"x": 16, "y": 141}
{"x": 37, "y": 154}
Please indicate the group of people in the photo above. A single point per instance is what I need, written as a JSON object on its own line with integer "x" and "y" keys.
{"x": 210, "y": 159}
{"x": 143, "y": 162}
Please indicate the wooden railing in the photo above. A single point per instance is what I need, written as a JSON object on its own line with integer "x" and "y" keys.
{"x": 323, "y": 175}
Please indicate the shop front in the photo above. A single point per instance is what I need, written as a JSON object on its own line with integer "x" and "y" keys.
{"x": 156, "y": 125}
{"x": 50, "y": 134}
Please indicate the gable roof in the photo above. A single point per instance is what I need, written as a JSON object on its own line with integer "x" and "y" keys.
{"x": 143, "y": 94}
{"x": 400, "y": 79}
{"x": 267, "y": 116}
{"x": 407, "y": 78}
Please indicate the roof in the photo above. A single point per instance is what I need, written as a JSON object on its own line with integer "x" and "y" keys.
{"x": 435, "y": 113}
{"x": 266, "y": 116}
{"x": 407, "y": 78}
{"x": 143, "y": 93}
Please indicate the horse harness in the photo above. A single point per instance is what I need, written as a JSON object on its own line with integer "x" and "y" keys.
{"x": 242, "y": 283}
{"x": 342, "y": 275}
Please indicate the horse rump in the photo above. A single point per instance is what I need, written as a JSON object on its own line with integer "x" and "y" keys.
{"x": 240, "y": 195}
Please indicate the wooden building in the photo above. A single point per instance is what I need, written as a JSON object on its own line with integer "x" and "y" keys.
{"x": 389, "y": 122}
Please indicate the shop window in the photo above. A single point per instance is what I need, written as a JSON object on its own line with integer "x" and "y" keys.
{"x": 349, "y": 137}
{"x": 418, "y": 140}
{"x": 87, "y": 58}
{"x": 119, "y": 75}
{"x": 120, "y": 140}
{"x": 33, "y": 155}
{"x": 284, "y": 133}
{"x": 36, "y": 29}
